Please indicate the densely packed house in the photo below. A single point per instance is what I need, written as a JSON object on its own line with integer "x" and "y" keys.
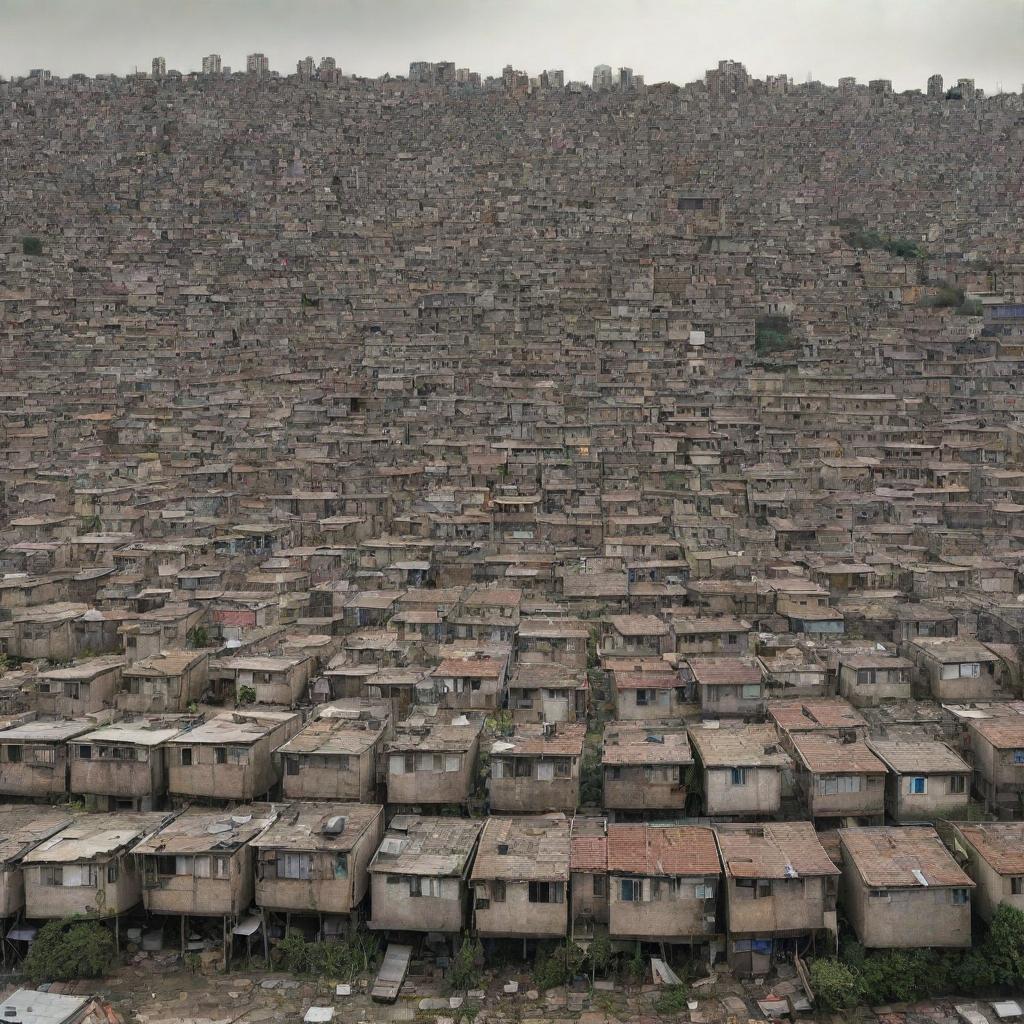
{"x": 440, "y": 505}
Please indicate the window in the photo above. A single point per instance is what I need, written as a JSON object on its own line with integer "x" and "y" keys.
{"x": 221, "y": 867}
{"x": 599, "y": 886}
{"x": 1018, "y": 757}
{"x": 878, "y": 894}
{"x": 644, "y": 697}
{"x": 830, "y": 785}
{"x": 959, "y": 897}
{"x": 751, "y": 691}
{"x": 14, "y": 754}
{"x": 917, "y": 785}
{"x": 341, "y": 865}
{"x": 631, "y": 890}
{"x": 186, "y": 757}
{"x": 291, "y": 765}
{"x": 51, "y": 875}
{"x": 738, "y": 776}
{"x": 112, "y": 871}
{"x": 1017, "y": 885}
{"x": 294, "y": 866}
{"x": 546, "y": 892}
{"x": 562, "y": 768}
{"x": 958, "y": 784}
{"x": 430, "y": 887}
{"x": 220, "y": 755}
{"x": 85, "y": 751}
{"x": 498, "y": 890}
{"x": 44, "y": 755}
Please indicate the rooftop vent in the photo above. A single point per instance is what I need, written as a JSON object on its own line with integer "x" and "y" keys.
{"x": 503, "y": 848}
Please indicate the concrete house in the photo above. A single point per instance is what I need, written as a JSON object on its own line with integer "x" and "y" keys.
{"x": 740, "y": 769}
{"x": 838, "y": 778}
{"x": 953, "y": 668}
{"x": 867, "y": 679}
{"x": 547, "y": 692}
{"x": 419, "y": 876}
{"x": 230, "y": 757}
{"x": 537, "y": 769}
{"x": 997, "y": 748}
{"x": 646, "y": 770}
{"x": 992, "y": 852}
{"x": 432, "y": 757}
{"x": 588, "y": 883}
{"x": 780, "y": 888}
{"x": 520, "y": 878}
{"x": 832, "y": 716}
{"x": 728, "y": 687}
{"x": 338, "y": 755}
{"x": 123, "y": 766}
{"x": 903, "y": 889}
{"x": 282, "y": 681}
{"x": 663, "y": 883}
{"x": 201, "y": 863}
{"x": 476, "y": 683}
{"x": 926, "y": 779}
{"x": 562, "y": 641}
{"x": 87, "y": 868}
{"x": 314, "y": 858}
{"x": 164, "y": 682}
{"x": 648, "y": 692}
{"x": 22, "y": 828}
{"x": 636, "y": 635}
{"x": 34, "y": 757}
{"x": 722, "y": 634}
{"x": 80, "y": 689}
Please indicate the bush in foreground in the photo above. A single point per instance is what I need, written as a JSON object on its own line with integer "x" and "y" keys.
{"x": 70, "y": 949}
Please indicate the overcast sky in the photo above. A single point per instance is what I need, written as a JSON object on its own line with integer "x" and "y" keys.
{"x": 674, "y": 40}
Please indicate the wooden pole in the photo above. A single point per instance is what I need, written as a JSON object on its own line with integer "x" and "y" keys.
{"x": 225, "y": 943}
{"x": 266, "y": 940}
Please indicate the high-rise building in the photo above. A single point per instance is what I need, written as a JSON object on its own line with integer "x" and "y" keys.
{"x": 556, "y": 79}
{"x": 327, "y": 64}
{"x": 965, "y": 86}
{"x": 625, "y": 78}
{"x": 211, "y": 64}
{"x": 257, "y": 64}
{"x": 729, "y": 77}
{"x": 304, "y": 68}
{"x": 602, "y": 76}
{"x": 935, "y": 89}
{"x": 420, "y": 71}
{"x": 159, "y": 67}
{"x": 847, "y": 84}
{"x": 881, "y": 86}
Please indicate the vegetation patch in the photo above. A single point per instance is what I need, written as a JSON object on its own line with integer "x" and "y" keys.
{"x": 69, "y": 950}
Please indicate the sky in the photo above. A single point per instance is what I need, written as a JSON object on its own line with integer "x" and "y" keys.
{"x": 665, "y": 40}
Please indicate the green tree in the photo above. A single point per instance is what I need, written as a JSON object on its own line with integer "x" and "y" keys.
{"x": 198, "y": 637}
{"x": 31, "y": 246}
{"x": 67, "y": 950}
{"x": 835, "y": 984}
{"x": 246, "y": 695}
{"x": 464, "y": 971}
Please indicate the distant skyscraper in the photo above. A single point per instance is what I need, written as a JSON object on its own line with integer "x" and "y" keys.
{"x": 556, "y": 79}
{"x": 602, "y": 76}
{"x": 159, "y": 67}
{"x": 257, "y": 64}
{"x": 625, "y": 78}
{"x": 881, "y": 86}
{"x": 211, "y": 64}
{"x": 304, "y": 68}
{"x": 729, "y": 77}
{"x": 327, "y": 64}
{"x": 965, "y": 86}
{"x": 935, "y": 89}
{"x": 847, "y": 84}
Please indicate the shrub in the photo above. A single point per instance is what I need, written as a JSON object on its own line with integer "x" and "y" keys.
{"x": 345, "y": 959}
{"x": 31, "y": 246}
{"x": 600, "y": 953}
{"x": 558, "y": 966}
{"x": 464, "y": 972}
{"x": 671, "y": 1000}
{"x": 836, "y": 985}
{"x": 246, "y": 695}
{"x": 1004, "y": 945}
{"x": 198, "y": 637}
{"x": 70, "y": 949}
{"x": 772, "y": 334}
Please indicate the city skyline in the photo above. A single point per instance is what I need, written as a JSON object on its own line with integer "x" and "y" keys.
{"x": 800, "y": 38}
